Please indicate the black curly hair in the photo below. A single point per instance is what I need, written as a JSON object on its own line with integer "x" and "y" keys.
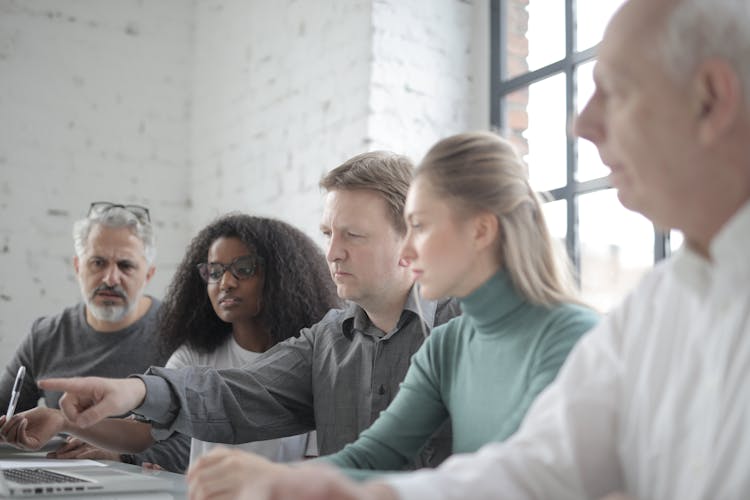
{"x": 297, "y": 290}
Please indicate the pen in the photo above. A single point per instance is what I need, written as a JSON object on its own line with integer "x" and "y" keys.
{"x": 15, "y": 393}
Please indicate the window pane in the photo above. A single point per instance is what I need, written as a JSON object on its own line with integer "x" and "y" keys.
{"x": 535, "y": 34}
{"x": 593, "y": 16}
{"x": 589, "y": 164}
{"x": 616, "y": 248}
{"x": 535, "y": 118}
{"x": 676, "y": 239}
{"x": 556, "y": 215}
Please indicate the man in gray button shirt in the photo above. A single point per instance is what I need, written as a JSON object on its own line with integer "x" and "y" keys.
{"x": 339, "y": 374}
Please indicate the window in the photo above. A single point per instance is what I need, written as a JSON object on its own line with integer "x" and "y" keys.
{"x": 542, "y": 58}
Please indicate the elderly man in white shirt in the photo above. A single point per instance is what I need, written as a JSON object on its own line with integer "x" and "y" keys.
{"x": 655, "y": 402}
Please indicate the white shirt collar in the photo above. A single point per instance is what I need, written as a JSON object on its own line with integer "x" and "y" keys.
{"x": 730, "y": 251}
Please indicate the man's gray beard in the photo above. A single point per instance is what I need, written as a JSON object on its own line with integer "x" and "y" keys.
{"x": 112, "y": 313}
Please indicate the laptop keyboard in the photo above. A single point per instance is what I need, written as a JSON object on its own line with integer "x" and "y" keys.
{"x": 39, "y": 476}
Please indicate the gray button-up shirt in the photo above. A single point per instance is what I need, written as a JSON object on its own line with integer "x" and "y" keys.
{"x": 336, "y": 378}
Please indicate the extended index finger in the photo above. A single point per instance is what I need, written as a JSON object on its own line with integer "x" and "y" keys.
{"x": 79, "y": 404}
{"x": 72, "y": 384}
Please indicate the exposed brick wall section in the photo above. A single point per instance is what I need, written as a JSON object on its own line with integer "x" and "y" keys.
{"x": 517, "y": 45}
{"x": 93, "y": 106}
{"x": 280, "y": 97}
{"x": 198, "y": 107}
{"x": 422, "y": 73}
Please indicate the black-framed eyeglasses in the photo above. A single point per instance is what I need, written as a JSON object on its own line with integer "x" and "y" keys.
{"x": 241, "y": 268}
{"x": 100, "y": 207}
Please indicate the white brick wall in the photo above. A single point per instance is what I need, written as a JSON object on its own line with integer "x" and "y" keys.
{"x": 93, "y": 106}
{"x": 198, "y": 107}
{"x": 280, "y": 97}
{"x": 421, "y": 77}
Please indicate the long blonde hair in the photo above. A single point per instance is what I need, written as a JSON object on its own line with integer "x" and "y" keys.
{"x": 480, "y": 171}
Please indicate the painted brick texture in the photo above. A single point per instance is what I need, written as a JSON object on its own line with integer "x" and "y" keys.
{"x": 198, "y": 107}
{"x": 93, "y": 106}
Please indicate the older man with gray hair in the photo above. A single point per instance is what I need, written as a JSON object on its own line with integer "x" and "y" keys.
{"x": 114, "y": 331}
{"x": 114, "y": 262}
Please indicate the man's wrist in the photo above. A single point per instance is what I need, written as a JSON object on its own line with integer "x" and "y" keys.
{"x": 65, "y": 426}
{"x": 157, "y": 404}
{"x": 141, "y": 391}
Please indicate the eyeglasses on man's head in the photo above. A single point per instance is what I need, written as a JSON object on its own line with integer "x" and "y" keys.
{"x": 101, "y": 207}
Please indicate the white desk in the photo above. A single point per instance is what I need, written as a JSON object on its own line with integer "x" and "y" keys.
{"x": 177, "y": 492}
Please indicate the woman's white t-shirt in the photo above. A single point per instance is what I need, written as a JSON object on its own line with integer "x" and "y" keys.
{"x": 231, "y": 355}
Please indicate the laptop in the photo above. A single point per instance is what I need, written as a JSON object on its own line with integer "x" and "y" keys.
{"x": 18, "y": 482}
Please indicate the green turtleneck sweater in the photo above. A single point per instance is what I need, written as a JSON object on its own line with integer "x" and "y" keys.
{"x": 482, "y": 369}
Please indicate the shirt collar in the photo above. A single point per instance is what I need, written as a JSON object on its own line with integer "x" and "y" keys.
{"x": 729, "y": 250}
{"x": 429, "y": 307}
{"x": 356, "y": 317}
{"x": 731, "y": 246}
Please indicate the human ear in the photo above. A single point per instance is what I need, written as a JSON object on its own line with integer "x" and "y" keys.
{"x": 150, "y": 273}
{"x": 76, "y": 263}
{"x": 717, "y": 94}
{"x": 486, "y": 227}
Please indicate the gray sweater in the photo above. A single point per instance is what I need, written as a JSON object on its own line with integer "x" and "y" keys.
{"x": 65, "y": 345}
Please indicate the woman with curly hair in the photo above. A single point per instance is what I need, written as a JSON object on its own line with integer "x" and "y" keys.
{"x": 245, "y": 284}
{"x": 285, "y": 269}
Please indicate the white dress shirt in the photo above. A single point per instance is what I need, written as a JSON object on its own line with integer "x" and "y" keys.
{"x": 654, "y": 402}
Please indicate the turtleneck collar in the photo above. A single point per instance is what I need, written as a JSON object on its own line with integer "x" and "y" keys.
{"x": 491, "y": 303}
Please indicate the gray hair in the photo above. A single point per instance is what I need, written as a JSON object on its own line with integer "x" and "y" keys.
{"x": 116, "y": 217}
{"x": 698, "y": 29}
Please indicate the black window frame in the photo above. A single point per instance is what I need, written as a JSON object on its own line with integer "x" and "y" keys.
{"x": 501, "y": 86}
